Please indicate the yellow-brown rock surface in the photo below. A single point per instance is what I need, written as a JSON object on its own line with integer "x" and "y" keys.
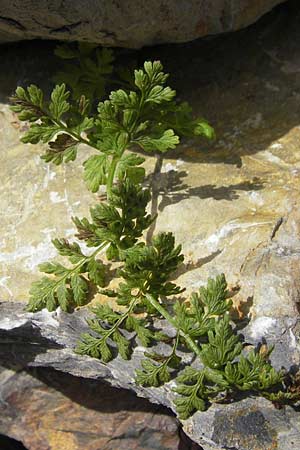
{"x": 233, "y": 204}
{"x": 49, "y": 410}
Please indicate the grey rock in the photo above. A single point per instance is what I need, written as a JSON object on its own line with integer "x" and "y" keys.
{"x": 47, "y": 340}
{"x": 126, "y": 23}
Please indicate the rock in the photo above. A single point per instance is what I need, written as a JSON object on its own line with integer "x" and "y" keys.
{"x": 234, "y": 205}
{"x": 45, "y": 409}
{"x": 46, "y": 340}
{"x": 130, "y": 24}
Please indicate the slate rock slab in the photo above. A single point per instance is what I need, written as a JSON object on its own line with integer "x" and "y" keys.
{"x": 47, "y": 340}
{"x": 126, "y": 23}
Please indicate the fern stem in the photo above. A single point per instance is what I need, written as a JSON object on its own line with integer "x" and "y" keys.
{"x": 191, "y": 343}
{"x": 120, "y": 320}
{"x": 75, "y": 268}
{"x": 109, "y": 332}
{"x": 76, "y": 136}
{"x": 174, "y": 348}
{"x": 111, "y": 175}
{"x": 62, "y": 125}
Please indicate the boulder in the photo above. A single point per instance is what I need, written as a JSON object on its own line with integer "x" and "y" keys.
{"x": 126, "y": 24}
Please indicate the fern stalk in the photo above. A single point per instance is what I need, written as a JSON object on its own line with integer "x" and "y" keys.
{"x": 191, "y": 343}
{"x": 111, "y": 174}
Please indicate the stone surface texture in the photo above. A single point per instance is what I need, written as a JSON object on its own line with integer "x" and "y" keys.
{"x": 46, "y": 340}
{"x": 233, "y": 204}
{"x": 126, "y": 23}
{"x": 49, "y": 410}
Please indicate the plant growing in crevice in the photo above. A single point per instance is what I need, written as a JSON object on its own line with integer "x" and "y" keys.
{"x": 146, "y": 117}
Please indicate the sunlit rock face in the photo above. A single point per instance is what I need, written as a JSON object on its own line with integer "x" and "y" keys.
{"x": 232, "y": 204}
{"x": 126, "y": 24}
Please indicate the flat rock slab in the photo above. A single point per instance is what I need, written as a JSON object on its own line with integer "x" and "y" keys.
{"x": 47, "y": 340}
{"x": 128, "y": 23}
{"x": 233, "y": 204}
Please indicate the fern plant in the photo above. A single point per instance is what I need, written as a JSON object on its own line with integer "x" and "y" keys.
{"x": 146, "y": 117}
